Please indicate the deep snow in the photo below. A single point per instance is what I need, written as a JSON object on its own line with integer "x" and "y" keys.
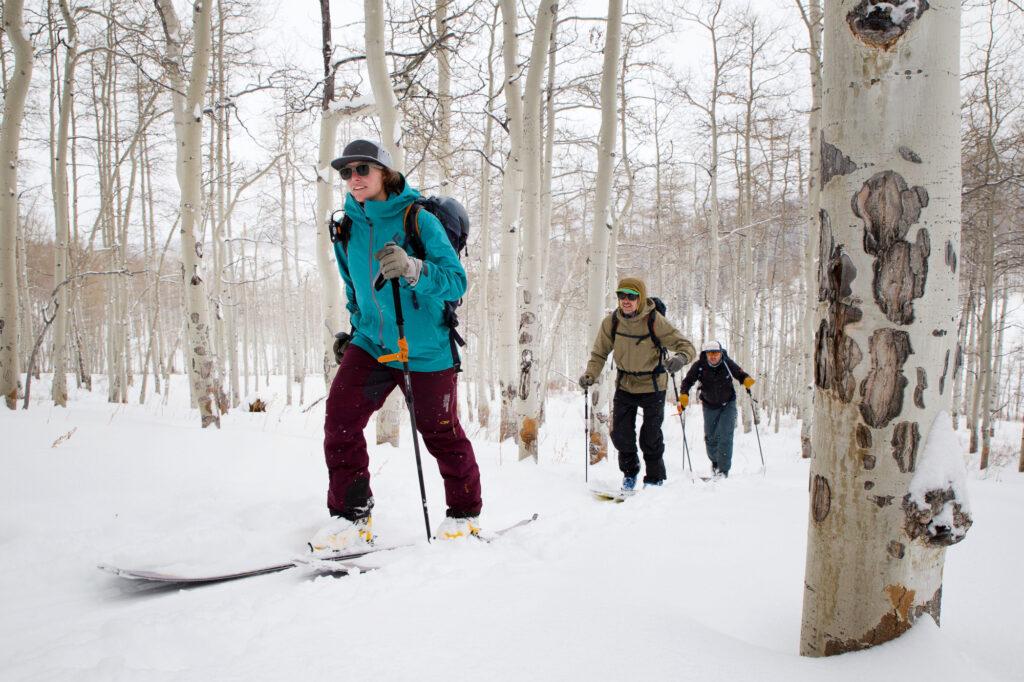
{"x": 698, "y": 581}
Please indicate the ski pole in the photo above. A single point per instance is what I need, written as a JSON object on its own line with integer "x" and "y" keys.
{"x": 682, "y": 422}
{"x": 403, "y": 356}
{"x": 586, "y": 434}
{"x": 753, "y": 412}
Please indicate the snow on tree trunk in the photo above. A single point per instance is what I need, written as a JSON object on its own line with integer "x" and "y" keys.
{"x": 880, "y": 515}
{"x": 511, "y": 196}
{"x": 10, "y": 140}
{"x": 528, "y": 407}
{"x": 202, "y": 368}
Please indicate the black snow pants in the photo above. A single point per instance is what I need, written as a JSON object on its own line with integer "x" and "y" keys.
{"x": 652, "y": 443}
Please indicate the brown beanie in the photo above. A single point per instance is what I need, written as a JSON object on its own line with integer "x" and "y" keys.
{"x": 636, "y": 284}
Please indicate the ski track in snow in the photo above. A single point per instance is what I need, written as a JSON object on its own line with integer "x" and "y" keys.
{"x": 696, "y": 580}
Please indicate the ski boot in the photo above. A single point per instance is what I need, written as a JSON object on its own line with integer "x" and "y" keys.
{"x": 629, "y": 483}
{"x": 453, "y": 528}
{"x": 343, "y": 535}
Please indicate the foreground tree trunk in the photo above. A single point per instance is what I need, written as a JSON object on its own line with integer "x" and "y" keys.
{"x": 10, "y": 141}
{"x": 188, "y": 131}
{"x": 886, "y": 479}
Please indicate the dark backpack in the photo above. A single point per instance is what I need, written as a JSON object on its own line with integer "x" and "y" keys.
{"x": 659, "y": 307}
{"x": 455, "y": 221}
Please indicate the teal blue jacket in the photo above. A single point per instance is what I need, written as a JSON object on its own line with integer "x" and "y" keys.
{"x": 374, "y": 324}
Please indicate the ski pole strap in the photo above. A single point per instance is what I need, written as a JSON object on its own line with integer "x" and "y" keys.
{"x": 401, "y": 356}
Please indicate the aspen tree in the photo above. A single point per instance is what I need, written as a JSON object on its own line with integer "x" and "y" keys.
{"x": 511, "y": 197}
{"x": 530, "y": 308}
{"x": 10, "y": 141}
{"x": 331, "y": 309}
{"x": 388, "y": 417}
{"x": 811, "y": 15}
{"x": 202, "y": 366}
{"x": 887, "y": 492}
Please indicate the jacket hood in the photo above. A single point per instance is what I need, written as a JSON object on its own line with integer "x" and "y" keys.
{"x": 636, "y": 284}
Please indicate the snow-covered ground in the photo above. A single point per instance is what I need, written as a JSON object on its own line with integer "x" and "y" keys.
{"x": 691, "y": 582}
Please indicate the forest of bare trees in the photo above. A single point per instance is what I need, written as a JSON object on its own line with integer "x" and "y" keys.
{"x": 718, "y": 150}
{"x": 583, "y": 148}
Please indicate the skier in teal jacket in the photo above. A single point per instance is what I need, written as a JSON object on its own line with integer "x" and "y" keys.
{"x": 376, "y": 246}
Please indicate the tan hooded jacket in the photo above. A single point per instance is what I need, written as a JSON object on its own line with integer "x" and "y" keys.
{"x": 633, "y": 353}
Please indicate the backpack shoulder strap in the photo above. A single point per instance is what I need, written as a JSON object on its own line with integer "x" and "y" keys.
{"x": 615, "y": 326}
{"x": 411, "y": 223}
{"x": 650, "y": 329}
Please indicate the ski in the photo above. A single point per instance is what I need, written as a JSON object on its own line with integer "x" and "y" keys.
{"x": 491, "y": 537}
{"x": 617, "y": 496}
{"x": 340, "y": 563}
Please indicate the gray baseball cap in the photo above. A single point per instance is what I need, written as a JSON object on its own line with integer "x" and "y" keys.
{"x": 362, "y": 150}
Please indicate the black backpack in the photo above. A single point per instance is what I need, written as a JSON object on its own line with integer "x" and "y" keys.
{"x": 455, "y": 221}
{"x": 659, "y": 307}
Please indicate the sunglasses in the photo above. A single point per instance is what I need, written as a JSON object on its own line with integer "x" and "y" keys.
{"x": 623, "y": 295}
{"x": 362, "y": 169}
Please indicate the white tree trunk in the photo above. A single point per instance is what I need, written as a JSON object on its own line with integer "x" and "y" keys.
{"x": 59, "y": 387}
{"x": 484, "y": 360}
{"x": 444, "y": 98}
{"x": 331, "y": 308}
{"x": 10, "y": 140}
{"x": 380, "y": 82}
{"x": 812, "y": 21}
{"x": 601, "y": 228}
{"x": 530, "y": 308}
{"x": 188, "y": 130}
{"x": 390, "y": 126}
{"x": 890, "y": 179}
{"x": 511, "y": 196}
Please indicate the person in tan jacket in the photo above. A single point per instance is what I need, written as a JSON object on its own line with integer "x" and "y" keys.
{"x": 639, "y": 337}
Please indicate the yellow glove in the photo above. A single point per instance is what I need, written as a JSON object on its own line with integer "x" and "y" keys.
{"x": 748, "y": 382}
{"x": 684, "y": 400}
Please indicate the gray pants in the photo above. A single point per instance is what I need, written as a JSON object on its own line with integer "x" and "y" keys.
{"x": 719, "y": 423}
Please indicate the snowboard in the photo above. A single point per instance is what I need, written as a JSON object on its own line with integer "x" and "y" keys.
{"x": 337, "y": 563}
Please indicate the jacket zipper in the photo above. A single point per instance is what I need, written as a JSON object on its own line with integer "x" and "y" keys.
{"x": 373, "y": 292}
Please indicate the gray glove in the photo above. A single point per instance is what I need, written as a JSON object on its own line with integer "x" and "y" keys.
{"x": 586, "y": 381}
{"x": 675, "y": 363}
{"x": 395, "y": 262}
{"x": 341, "y": 341}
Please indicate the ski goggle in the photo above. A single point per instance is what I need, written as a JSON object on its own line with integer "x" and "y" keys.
{"x": 362, "y": 170}
{"x": 629, "y": 297}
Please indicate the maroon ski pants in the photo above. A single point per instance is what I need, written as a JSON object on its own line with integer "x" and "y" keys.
{"x": 360, "y": 389}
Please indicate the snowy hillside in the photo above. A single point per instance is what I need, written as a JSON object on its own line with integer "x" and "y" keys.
{"x": 696, "y": 581}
